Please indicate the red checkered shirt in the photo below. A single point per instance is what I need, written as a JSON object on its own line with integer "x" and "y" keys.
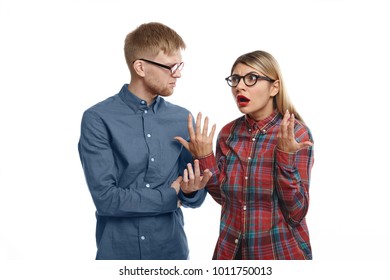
{"x": 264, "y": 192}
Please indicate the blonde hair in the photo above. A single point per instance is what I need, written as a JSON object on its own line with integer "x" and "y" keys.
{"x": 267, "y": 65}
{"x": 149, "y": 39}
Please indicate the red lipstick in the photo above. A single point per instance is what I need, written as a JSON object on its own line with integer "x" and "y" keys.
{"x": 242, "y": 100}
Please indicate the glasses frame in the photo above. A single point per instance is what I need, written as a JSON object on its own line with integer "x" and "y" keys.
{"x": 258, "y": 77}
{"x": 173, "y": 68}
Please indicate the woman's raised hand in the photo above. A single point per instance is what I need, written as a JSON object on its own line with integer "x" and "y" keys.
{"x": 286, "y": 135}
{"x": 201, "y": 143}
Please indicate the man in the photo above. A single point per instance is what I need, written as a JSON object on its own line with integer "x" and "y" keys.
{"x": 137, "y": 173}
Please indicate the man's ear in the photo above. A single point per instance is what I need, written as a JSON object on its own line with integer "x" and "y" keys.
{"x": 139, "y": 68}
{"x": 275, "y": 88}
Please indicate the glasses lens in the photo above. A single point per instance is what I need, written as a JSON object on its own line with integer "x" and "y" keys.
{"x": 233, "y": 80}
{"x": 250, "y": 79}
{"x": 177, "y": 66}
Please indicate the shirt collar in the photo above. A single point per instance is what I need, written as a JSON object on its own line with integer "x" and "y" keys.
{"x": 136, "y": 103}
{"x": 264, "y": 124}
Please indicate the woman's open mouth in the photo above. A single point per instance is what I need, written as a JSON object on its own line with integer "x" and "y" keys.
{"x": 242, "y": 100}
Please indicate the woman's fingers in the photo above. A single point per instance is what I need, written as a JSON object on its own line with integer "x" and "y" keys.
{"x": 211, "y": 135}
{"x": 198, "y": 123}
{"x": 205, "y": 126}
{"x": 191, "y": 131}
{"x": 290, "y": 128}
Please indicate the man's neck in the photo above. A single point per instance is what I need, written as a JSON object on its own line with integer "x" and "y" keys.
{"x": 140, "y": 92}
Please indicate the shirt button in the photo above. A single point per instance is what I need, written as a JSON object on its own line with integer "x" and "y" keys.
{"x": 253, "y": 139}
{"x": 143, "y": 102}
{"x": 152, "y": 159}
{"x": 244, "y": 208}
{"x": 146, "y": 111}
{"x": 264, "y": 131}
{"x": 147, "y": 185}
{"x": 142, "y": 237}
{"x": 236, "y": 241}
{"x": 148, "y": 135}
{"x": 246, "y": 177}
{"x": 249, "y": 158}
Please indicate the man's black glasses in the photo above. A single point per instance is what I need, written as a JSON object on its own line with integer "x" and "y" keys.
{"x": 173, "y": 68}
{"x": 250, "y": 79}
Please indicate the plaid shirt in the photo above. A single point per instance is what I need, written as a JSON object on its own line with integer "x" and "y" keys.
{"x": 264, "y": 192}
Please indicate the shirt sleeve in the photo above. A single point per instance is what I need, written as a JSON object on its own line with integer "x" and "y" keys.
{"x": 215, "y": 164}
{"x": 293, "y": 179}
{"x": 100, "y": 171}
{"x": 193, "y": 201}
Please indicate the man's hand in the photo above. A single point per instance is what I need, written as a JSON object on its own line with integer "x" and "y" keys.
{"x": 200, "y": 143}
{"x": 176, "y": 185}
{"x": 193, "y": 181}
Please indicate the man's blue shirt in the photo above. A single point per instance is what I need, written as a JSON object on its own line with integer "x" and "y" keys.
{"x": 130, "y": 159}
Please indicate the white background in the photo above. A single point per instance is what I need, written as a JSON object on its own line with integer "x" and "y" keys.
{"x": 59, "y": 57}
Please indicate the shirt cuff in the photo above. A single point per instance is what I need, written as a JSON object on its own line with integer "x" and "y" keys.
{"x": 169, "y": 198}
{"x": 206, "y": 162}
{"x": 286, "y": 159}
{"x": 194, "y": 201}
{"x": 189, "y": 195}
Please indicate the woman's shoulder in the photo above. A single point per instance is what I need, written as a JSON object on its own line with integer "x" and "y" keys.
{"x": 227, "y": 128}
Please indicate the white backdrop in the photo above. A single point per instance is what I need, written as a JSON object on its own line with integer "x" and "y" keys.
{"x": 59, "y": 57}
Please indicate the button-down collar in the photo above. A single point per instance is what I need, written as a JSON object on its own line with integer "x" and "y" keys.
{"x": 264, "y": 124}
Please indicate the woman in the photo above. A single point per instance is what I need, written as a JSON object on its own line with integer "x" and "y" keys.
{"x": 261, "y": 168}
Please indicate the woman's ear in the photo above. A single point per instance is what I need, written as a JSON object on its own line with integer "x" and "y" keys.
{"x": 275, "y": 88}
